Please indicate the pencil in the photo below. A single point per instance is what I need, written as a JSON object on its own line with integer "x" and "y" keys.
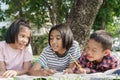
{"x": 76, "y": 62}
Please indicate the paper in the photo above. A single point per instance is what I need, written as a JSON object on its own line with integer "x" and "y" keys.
{"x": 107, "y": 75}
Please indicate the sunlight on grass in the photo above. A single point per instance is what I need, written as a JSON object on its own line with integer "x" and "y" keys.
{"x": 35, "y": 57}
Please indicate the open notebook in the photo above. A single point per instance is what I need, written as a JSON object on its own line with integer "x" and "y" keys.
{"x": 113, "y": 74}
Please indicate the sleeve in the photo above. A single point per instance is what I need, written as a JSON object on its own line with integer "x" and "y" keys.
{"x": 113, "y": 63}
{"x": 117, "y": 61}
{"x": 43, "y": 58}
{"x": 1, "y": 54}
{"x": 75, "y": 51}
{"x": 28, "y": 56}
{"x": 110, "y": 62}
{"x": 92, "y": 71}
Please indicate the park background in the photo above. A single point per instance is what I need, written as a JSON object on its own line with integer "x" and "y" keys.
{"x": 83, "y": 16}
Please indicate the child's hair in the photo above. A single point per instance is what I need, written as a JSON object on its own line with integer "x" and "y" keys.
{"x": 101, "y": 36}
{"x": 13, "y": 30}
{"x": 66, "y": 35}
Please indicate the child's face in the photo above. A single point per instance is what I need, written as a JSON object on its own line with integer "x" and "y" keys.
{"x": 56, "y": 42}
{"x": 94, "y": 51}
{"x": 23, "y": 38}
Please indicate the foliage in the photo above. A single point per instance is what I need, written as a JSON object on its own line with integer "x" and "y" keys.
{"x": 113, "y": 29}
{"x": 40, "y": 12}
{"x": 106, "y": 16}
{"x": 67, "y": 77}
{"x": 2, "y": 33}
{"x": 40, "y": 43}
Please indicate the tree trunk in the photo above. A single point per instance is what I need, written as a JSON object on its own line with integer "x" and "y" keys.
{"x": 81, "y": 19}
{"x": 103, "y": 23}
{"x": 52, "y": 11}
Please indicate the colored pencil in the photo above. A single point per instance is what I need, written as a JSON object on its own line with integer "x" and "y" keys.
{"x": 79, "y": 66}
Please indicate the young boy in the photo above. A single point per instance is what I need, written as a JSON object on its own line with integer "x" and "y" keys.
{"x": 97, "y": 56}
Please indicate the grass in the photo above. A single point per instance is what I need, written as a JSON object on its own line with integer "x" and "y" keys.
{"x": 35, "y": 57}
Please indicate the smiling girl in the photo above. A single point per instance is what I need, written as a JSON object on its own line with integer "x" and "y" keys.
{"x": 15, "y": 56}
{"x": 55, "y": 57}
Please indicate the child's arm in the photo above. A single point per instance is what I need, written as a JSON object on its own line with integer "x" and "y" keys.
{"x": 70, "y": 68}
{"x": 26, "y": 67}
{"x": 75, "y": 69}
{"x": 12, "y": 73}
{"x": 85, "y": 71}
{"x": 72, "y": 65}
{"x": 2, "y": 68}
{"x": 37, "y": 70}
{"x": 4, "y": 73}
{"x": 83, "y": 62}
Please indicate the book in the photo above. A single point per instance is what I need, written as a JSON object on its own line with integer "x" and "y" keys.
{"x": 115, "y": 71}
{"x": 113, "y": 74}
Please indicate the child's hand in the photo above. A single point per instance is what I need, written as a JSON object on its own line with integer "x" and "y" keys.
{"x": 9, "y": 73}
{"x": 67, "y": 71}
{"x": 81, "y": 71}
{"x": 48, "y": 72}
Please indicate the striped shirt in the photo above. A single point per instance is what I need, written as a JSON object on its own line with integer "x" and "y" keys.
{"x": 49, "y": 59}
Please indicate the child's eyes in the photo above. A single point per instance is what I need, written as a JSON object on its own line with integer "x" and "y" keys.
{"x": 94, "y": 50}
{"x": 54, "y": 38}
{"x": 51, "y": 38}
{"x": 22, "y": 36}
{"x": 87, "y": 47}
{"x": 58, "y": 38}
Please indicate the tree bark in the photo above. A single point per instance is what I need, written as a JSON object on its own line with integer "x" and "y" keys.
{"x": 52, "y": 11}
{"x": 81, "y": 19}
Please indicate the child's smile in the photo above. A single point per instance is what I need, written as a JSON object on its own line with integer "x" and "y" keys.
{"x": 23, "y": 38}
{"x": 94, "y": 51}
{"x": 89, "y": 57}
{"x": 56, "y": 42}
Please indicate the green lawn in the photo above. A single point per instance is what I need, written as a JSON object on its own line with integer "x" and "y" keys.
{"x": 35, "y": 57}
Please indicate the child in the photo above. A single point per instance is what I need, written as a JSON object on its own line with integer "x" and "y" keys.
{"x": 56, "y": 55}
{"x": 97, "y": 56}
{"x": 15, "y": 55}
